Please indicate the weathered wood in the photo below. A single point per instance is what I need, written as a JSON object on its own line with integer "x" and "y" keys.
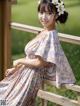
{"x": 5, "y": 47}
{"x": 44, "y": 102}
{"x": 1, "y": 60}
{"x": 13, "y": 1}
{"x": 64, "y": 101}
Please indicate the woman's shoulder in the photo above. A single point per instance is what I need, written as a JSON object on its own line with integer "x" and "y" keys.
{"x": 47, "y": 34}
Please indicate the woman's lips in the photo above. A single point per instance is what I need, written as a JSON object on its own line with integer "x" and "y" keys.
{"x": 44, "y": 21}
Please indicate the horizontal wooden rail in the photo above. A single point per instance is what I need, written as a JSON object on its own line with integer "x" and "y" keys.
{"x": 26, "y": 28}
{"x": 63, "y": 37}
{"x": 61, "y": 100}
{"x": 72, "y": 87}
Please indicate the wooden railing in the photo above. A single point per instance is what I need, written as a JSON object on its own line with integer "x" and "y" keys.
{"x": 48, "y": 96}
{"x": 63, "y": 37}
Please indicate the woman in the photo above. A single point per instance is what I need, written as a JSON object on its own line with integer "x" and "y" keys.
{"x": 44, "y": 59}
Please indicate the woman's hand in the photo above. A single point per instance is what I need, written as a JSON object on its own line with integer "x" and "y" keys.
{"x": 32, "y": 62}
{"x": 16, "y": 63}
{"x": 9, "y": 71}
{"x": 12, "y": 70}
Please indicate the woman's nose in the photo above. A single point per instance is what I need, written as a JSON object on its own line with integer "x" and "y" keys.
{"x": 44, "y": 16}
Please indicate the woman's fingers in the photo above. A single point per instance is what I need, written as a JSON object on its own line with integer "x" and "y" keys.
{"x": 9, "y": 71}
{"x": 18, "y": 66}
{"x": 12, "y": 70}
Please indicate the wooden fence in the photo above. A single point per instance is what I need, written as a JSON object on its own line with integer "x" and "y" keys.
{"x": 48, "y": 96}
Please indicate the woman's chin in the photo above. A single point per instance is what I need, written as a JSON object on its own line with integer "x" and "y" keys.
{"x": 45, "y": 25}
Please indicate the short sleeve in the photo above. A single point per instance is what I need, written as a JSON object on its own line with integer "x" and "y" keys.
{"x": 47, "y": 48}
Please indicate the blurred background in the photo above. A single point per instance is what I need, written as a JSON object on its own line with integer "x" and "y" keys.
{"x": 25, "y": 12}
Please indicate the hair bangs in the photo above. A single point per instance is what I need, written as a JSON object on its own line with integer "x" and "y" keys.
{"x": 49, "y": 7}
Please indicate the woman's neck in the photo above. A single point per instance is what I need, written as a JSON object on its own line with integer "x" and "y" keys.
{"x": 50, "y": 28}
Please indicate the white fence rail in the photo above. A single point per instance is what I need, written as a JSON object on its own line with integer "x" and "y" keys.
{"x": 61, "y": 100}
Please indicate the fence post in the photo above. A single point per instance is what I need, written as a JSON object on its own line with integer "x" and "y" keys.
{"x": 5, "y": 37}
{"x": 1, "y": 61}
{"x": 44, "y": 102}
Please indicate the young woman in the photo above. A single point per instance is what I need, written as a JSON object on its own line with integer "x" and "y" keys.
{"x": 45, "y": 60}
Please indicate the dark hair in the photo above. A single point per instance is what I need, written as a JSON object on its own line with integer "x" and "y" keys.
{"x": 52, "y": 8}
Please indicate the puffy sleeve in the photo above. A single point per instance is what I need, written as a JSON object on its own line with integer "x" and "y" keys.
{"x": 47, "y": 48}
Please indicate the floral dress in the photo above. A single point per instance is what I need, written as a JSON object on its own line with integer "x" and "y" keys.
{"x": 20, "y": 88}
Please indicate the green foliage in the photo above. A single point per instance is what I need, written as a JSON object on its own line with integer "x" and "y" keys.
{"x": 25, "y": 12}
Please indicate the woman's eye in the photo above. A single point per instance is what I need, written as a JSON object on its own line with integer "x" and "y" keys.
{"x": 46, "y": 13}
{"x": 41, "y": 12}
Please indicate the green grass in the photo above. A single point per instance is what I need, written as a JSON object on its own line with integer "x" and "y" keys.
{"x": 25, "y": 13}
{"x": 72, "y": 26}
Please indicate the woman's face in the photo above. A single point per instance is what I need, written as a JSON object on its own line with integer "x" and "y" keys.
{"x": 47, "y": 19}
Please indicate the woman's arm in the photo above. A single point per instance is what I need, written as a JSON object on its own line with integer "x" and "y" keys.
{"x": 12, "y": 70}
{"x": 33, "y": 63}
